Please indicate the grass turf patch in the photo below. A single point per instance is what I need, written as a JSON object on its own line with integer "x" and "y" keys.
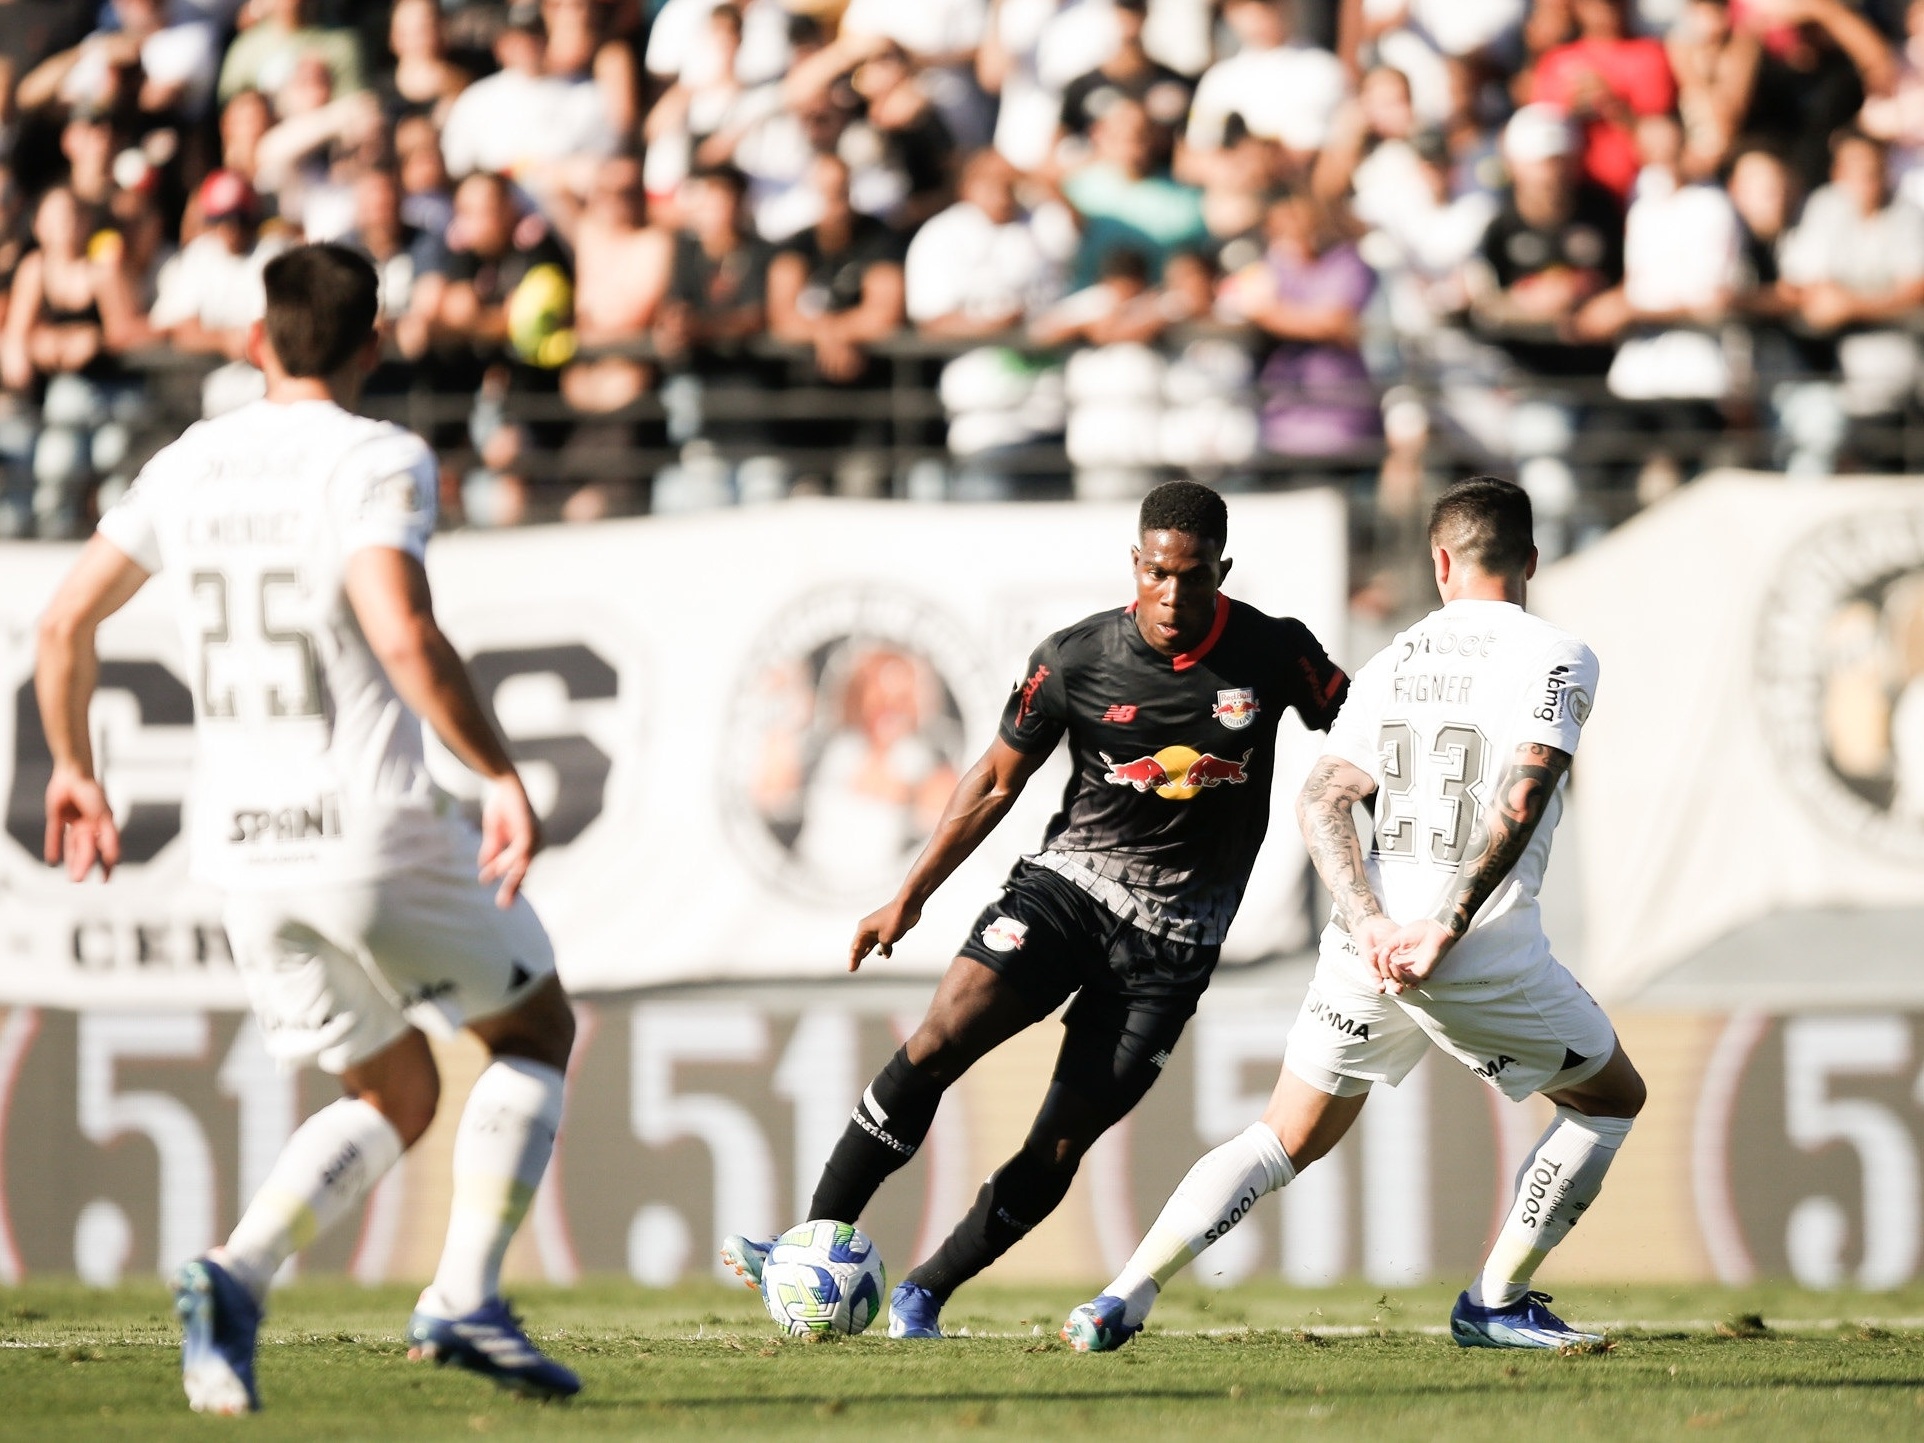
{"x": 1254, "y": 1362}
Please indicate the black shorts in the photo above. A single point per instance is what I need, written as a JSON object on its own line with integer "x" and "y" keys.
{"x": 1134, "y": 992}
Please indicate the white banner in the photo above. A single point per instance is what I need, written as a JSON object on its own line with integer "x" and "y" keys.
{"x": 738, "y": 728}
{"x": 1751, "y": 785}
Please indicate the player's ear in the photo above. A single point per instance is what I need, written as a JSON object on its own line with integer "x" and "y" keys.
{"x": 1530, "y": 566}
{"x": 1222, "y": 569}
{"x": 255, "y": 347}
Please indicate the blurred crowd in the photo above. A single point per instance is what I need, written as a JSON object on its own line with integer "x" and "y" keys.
{"x": 1210, "y": 234}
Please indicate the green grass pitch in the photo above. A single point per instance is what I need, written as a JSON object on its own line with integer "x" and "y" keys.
{"x": 1260, "y": 1362}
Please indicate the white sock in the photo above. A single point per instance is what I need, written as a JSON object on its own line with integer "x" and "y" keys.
{"x": 1561, "y": 1178}
{"x": 329, "y": 1165}
{"x": 1216, "y": 1195}
{"x": 500, "y": 1151}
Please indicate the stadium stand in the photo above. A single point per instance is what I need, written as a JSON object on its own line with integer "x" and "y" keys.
{"x": 661, "y": 255}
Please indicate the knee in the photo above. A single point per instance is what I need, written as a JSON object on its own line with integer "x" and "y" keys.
{"x": 407, "y": 1094}
{"x": 935, "y": 1050}
{"x": 541, "y": 1029}
{"x": 1629, "y": 1096}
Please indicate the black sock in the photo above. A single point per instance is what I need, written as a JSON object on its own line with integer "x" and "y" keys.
{"x": 1024, "y": 1191}
{"x": 883, "y": 1132}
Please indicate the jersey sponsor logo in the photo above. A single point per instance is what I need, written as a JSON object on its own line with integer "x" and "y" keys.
{"x": 1448, "y": 643}
{"x": 1120, "y": 713}
{"x": 1556, "y": 686}
{"x": 287, "y": 824}
{"x": 1177, "y": 773}
{"x": 1029, "y": 689}
{"x": 1322, "y": 1012}
{"x": 1005, "y": 934}
{"x": 1236, "y": 707}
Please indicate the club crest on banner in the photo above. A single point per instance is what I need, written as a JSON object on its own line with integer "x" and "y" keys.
{"x": 845, "y": 736}
{"x": 1840, "y": 675}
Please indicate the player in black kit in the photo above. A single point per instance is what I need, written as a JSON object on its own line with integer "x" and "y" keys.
{"x": 1170, "y": 706}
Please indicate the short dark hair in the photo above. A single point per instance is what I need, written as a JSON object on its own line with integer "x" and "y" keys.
{"x": 1186, "y": 506}
{"x": 1487, "y": 522}
{"x": 322, "y": 302}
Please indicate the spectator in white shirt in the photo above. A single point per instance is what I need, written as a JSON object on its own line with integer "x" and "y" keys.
{"x": 1281, "y": 90}
{"x": 171, "y": 67}
{"x": 984, "y": 265}
{"x": 546, "y": 132}
{"x": 681, "y": 48}
{"x": 1682, "y": 260}
{"x": 1853, "y": 269}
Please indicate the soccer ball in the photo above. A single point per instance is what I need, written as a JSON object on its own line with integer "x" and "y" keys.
{"x": 823, "y": 1277}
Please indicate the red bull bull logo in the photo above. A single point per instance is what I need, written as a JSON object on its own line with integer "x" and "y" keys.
{"x": 1177, "y": 773}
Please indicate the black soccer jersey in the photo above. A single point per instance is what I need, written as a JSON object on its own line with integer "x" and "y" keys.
{"x": 1173, "y": 757}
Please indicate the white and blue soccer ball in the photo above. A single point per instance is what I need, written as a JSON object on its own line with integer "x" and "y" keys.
{"x": 823, "y": 1277}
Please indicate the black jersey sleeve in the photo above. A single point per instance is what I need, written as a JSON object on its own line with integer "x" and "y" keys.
{"x": 1321, "y": 687}
{"x": 1037, "y": 712}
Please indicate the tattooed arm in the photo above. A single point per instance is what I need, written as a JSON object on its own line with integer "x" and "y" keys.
{"x": 1497, "y": 839}
{"x": 1326, "y": 810}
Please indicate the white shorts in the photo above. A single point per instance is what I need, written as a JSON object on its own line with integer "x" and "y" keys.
{"x": 1538, "y": 1031}
{"x": 335, "y": 974}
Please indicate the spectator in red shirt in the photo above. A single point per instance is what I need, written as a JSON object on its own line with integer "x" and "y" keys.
{"x": 1605, "y": 80}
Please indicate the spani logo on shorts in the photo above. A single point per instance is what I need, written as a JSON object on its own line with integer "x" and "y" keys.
{"x": 1840, "y": 675}
{"x": 1005, "y": 934}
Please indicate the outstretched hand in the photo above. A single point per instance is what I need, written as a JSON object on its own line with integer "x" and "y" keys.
{"x": 510, "y": 836}
{"x": 881, "y": 930}
{"x": 80, "y": 826}
{"x": 1413, "y": 954}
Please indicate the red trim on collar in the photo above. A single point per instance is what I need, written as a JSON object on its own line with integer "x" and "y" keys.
{"x": 1187, "y": 659}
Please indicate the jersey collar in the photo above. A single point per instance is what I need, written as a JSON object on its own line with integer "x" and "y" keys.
{"x": 1183, "y": 660}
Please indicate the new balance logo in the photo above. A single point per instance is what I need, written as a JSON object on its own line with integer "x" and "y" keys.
{"x": 1160, "y": 1060}
{"x": 1120, "y": 714}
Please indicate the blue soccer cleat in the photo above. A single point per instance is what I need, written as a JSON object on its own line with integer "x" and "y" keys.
{"x": 746, "y": 1257}
{"x": 1098, "y": 1326}
{"x": 1526, "y": 1323}
{"x": 489, "y": 1341}
{"x": 914, "y": 1312}
{"x": 219, "y": 1321}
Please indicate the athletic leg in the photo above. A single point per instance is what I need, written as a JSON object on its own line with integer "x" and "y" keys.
{"x": 1346, "y": 1037}
{"x": 975, "y": 1010}
{"x": 1300, "y": 1125}
{"x": 1112, "y": 1053}
{"x": 334, "y": 1159}
{"x": 313, "y": 1000}
{"x": 1562, "y": 1176}
{"x": 502, "y": 1145}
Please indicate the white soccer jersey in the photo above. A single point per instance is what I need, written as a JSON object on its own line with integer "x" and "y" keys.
{"x": 1434, "y": 719}
{"x": 309, "y": 768}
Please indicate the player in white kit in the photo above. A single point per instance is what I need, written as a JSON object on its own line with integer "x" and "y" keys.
{"x": 289, "y": 536}
{"x": 1463, "y": 728}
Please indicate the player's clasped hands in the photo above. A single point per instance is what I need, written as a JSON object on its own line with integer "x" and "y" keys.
{"x": 1406, "y": 957}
